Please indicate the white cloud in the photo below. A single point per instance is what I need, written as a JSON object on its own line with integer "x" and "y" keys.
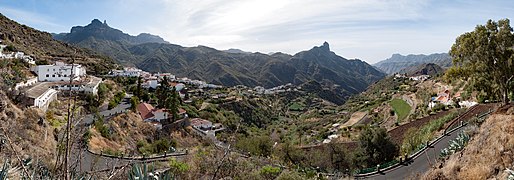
{"x": 366, "y": 29}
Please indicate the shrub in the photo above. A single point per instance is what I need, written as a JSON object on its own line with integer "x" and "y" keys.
{"x": 101, "y": 127}
{"x": 270, "y": 172}
{"x": 415, "y": 138}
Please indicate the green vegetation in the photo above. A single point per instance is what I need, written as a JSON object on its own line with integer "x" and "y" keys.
{"x": 296, "y": 106}
{"x": 134, "y": 101}
{"x": 156, "y": 147}
{"x": 54, "y": 122}
{"x": 455, "y": 145}
{"x": 112, "y": 152}
{"x": 485, "y": 58}
{"x": 101, "y": 127}
{"x": 116, "y": 100}
{"x": 256, "y": 145}
{"x": 377, "y": 146}
{"x": 416, "y": 138}
{"x": 178, "y": 168}
{"x": 168, "y": 98}
{"x": 270, "y": 172}
{"x": 143, "y": 171}
{"x": 401, "y": 108}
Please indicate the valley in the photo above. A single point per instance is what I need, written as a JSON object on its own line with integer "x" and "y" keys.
{"x": 99, "y": 103}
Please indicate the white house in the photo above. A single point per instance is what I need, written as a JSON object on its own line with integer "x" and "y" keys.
{"x": 26, "y": 83}
{"x": 151, "y": 83}
{"x": 29, "y": 60}
{"x": 2, "y": 49}
{"x": 127, "y": 72}
{"x": 149, "y": 114}
{"x": 202, "y": 124}
{"x": 40, "y": 96}
{"x": 87, "y": 84}
{"x": 19, "y": 55}
{"x": 60, "y": 72}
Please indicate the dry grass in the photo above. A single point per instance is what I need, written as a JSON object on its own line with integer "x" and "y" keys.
{"x": 486, "y": 156}
{"x": 128, "y": 130}
{"x": 354, "y": 119}
{"x": 29, "y": 139}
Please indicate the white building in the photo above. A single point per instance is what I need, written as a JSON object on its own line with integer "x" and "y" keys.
{"x": 87, "y": 84}
{"x": 2, "y": 49}
{"x": 19, "y": 55}
{"x": 26, "y": 83}
{"x": 60, "y": 72}
{"x": 127, "y": 72}
{"x": 150, "y": 114}
{"x": 29, "y": 60}
{"x": 161, "y": 76}
{"x": 152, "y": 83}
{"x": 40, "y": 96}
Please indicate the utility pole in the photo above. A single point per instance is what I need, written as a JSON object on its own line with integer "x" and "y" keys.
{"x": 68, "y": 124}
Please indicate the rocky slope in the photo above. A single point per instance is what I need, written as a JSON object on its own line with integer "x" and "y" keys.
{"x": 42, "y": 46}
{"x": 475, "y": 162}
{"x": 397, "y": 62}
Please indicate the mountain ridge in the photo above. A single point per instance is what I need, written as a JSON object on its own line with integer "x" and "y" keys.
{"x": 397, "y": 62}
{"x": 228, "y": 68}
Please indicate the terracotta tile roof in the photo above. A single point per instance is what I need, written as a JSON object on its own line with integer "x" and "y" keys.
{"x": 145, "y": 110}
{"x": 181, "y": 111}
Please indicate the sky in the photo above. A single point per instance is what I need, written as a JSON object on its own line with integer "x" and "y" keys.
{"x": 370, "y": 30}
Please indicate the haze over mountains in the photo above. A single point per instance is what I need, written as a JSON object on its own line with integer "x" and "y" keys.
{"x": 397, "y": 62}
{"x": 232, "y": 67}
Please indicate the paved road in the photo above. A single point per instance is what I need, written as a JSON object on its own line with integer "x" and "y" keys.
{"x": 122, "y": 107}
{"x": 421, "y": 163}
{"x": 87, "y": 162}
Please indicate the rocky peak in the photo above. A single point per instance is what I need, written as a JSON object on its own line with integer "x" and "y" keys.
{"x": 325, "y": 46}
{"x": 97, "y": 23}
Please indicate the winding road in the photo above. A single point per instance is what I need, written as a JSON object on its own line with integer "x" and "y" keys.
{"x": 419, "y": 164}
{"x": 85, "y": 161}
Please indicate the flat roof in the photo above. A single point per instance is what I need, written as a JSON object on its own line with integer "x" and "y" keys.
{"x": 38, "y": 89}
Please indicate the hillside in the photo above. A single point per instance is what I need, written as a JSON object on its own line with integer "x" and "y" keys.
{"x": 43, "y": 47}
{"x": 228, "y": 68}
{"x": 474, "y": 162}
{"x": 397, "y": 62}
{"x": 423, "y": 69}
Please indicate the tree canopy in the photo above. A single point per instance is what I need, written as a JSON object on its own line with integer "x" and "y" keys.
{"x": 485, "y": 57}
{"x": 377, "y": 145}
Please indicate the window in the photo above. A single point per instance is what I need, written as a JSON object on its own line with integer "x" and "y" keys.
{"x": 65, "y": 75}
{"x": 47, "y": 70}
{"x": 53, "y": 75}
{"x": 47, "y": 75}
{"x": 54, "y": 69}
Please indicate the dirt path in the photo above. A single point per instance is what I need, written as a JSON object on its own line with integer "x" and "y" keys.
{"x": 356, "y": 116}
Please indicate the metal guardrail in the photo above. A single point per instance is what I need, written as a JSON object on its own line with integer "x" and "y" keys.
{"x": 428, "y": 145}
{"x": 139, "y": 158}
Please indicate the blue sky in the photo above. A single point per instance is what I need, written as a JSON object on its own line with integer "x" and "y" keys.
{"x": 370, "y": 30}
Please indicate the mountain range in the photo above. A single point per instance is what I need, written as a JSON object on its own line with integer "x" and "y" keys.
{"x": 232, "y": 67}
{"x": 397, "y": 62}
{"x": 423, "y": 69}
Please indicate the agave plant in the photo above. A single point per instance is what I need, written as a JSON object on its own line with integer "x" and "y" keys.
{"x": 455, "y": 145}
{"x": 143, "y": 172}
{"x": 511, "y": 174}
